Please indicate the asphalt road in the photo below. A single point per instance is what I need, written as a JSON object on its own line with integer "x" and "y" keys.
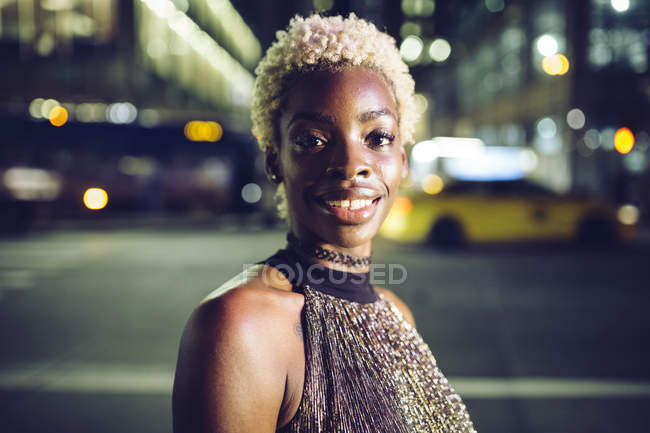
{"x": 536, "y": 338}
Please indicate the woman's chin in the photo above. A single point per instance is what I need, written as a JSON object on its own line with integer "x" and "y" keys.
{"x": 347, "y": 236}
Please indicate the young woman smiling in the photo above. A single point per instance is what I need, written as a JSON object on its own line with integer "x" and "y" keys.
{"x": 303, "y": 342}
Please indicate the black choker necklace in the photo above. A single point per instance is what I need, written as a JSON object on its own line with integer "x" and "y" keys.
{"x": 325, "y": 254}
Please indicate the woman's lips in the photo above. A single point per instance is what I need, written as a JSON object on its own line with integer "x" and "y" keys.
{"x": 350, "y": 211}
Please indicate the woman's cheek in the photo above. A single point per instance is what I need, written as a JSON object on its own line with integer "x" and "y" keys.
{"x": 391, "y": 171}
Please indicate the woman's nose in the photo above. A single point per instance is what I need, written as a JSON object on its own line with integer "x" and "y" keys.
{"x": 349, "y": 160}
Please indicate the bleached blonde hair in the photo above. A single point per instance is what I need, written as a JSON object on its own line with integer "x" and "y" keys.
{"x": 326, "y": 43}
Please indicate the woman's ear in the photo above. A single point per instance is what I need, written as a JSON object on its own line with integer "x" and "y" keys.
{"x": 272, "y": 166}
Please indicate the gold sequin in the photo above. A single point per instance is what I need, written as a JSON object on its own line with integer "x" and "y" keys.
{"x": 369, "y": 371}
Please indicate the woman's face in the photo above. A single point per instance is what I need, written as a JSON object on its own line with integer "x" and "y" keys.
{"x": 341, "y": 157}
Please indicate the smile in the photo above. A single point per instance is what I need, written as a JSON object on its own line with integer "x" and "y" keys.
{"x": 350, "y": 204}
{"x": 350, "y": 211}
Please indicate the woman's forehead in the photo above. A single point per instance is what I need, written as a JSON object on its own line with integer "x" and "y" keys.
{"x": 357, "y": 88}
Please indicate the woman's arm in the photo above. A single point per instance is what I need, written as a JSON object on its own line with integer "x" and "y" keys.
{"x": 231, "y": 374}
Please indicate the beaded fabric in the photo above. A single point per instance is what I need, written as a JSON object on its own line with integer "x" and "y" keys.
{"x": 369, "y": 371}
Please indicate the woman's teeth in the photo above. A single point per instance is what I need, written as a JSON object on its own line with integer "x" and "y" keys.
{"x": 349, "y": 204}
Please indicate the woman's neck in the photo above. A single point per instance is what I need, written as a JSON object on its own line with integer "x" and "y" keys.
{"x": 354, "y": 259}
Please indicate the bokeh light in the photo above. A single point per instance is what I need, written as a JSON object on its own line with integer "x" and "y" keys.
{"x": 624, "y": 140}
{"x": 47, "y": 106}
{"x": 35, "y": 108}
{"x": 432, "y": 184}
{"x": 575, "y": 118}
{"x": 197, "y": 130}
{"x": 95, "y": 198}
{"x": 565, "y": 64}
{"x": 411, "y": 48}
{"x": 628, "y": 214}
{"x": 26, "y": 183}
{"x": 552, "y": 65}
{"x": 546, "y": 128}
{"x": 58, "y": 116}
{"x": 557, "y": 64}
{"x": 121, "y": 113}
{"x": 439, "y": 50}
{"x": 636, "y": 161}
{"x": 547, "y": 45}
{"x": 251, "y": 193}
{"x": 607, "y": 138}
{"x": 620, "y": 5}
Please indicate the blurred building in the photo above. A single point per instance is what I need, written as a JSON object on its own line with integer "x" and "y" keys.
{"x": 558, "y": 78}
{"x": 146, "y": 99}
{"x": 168, "y": 59}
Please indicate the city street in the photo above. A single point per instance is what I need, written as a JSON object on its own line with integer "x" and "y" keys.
{"x": 546, "y": 338}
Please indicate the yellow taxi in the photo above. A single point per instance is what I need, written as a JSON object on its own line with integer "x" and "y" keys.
{"x": 501, "y": 211}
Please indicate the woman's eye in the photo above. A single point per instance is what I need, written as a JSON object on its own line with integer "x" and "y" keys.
{"x": 310, "y": 142}
{"x": 380, "y": 138}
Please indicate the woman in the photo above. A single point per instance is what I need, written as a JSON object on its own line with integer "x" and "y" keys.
{"x": 303, "y": 342}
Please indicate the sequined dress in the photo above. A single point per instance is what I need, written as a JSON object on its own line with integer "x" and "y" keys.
{"x": 367, "y": 369}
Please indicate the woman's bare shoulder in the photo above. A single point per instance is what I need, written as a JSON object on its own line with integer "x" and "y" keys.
{"x": 234, "y": 355}
{"x": 258, "y": 306}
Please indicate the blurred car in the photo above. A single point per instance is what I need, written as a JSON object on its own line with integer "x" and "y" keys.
{"x": 501, "y": 211}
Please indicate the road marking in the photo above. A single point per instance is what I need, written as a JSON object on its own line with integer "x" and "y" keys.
{"x": 89, "y": 378}
{"x": 548, "y": 387}
{"x": 129, "y": 379}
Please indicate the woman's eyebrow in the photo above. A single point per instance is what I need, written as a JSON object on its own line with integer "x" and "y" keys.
{"x": 371, "y": 115}
{"x": 316, "y": 117}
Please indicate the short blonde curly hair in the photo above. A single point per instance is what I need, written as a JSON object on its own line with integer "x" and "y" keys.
{"x": 326, "y": 43}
